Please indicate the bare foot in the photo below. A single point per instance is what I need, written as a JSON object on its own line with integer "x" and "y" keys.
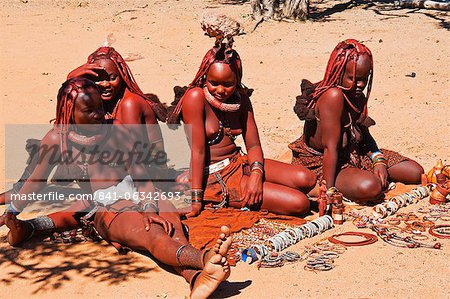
{"x": 222, "y": 245}
{"x": 216, "y": 267}
{"x": 216, "y": 270}
{"x": 19, "y": 230}
{"x": 224, "y": 241}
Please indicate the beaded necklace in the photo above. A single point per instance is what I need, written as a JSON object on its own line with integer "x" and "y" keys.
{"x": 219, "y": 134}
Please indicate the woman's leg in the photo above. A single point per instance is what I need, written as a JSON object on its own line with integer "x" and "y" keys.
{"x": 407, "y": 172}
{"x": 280, "y": 199}
{"x": 70, "y": 218}
{"x": 293, "y": 176}
{"x": 283, "y": 186}
{"x": 55, "y": 222}
{"x": 128, "y": 229}
{"x": 359, "y": 185}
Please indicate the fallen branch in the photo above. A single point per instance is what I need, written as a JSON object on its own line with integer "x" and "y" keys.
{"x": 123, "y": 11}
{"x": 427, "y": 4}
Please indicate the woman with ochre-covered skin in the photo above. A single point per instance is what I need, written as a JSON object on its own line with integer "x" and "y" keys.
{"x": 138, "y": 224}
{"x": 122, "y": 100}
{"x": 336, "y": 143}
{"x": 218, "y": 109}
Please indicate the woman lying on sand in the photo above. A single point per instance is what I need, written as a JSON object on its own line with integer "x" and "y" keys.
{"x": 218, "y": 109}
{"x": 79, "y": 134}
{"x": 336, "y": 143}
{"x": 123, "y": 100}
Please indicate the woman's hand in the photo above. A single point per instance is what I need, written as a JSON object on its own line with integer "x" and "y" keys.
{"x": 380, "y": 171}
{"x": 253, "y": 192}
{"x": 196, "y": 209}
{"x": 87, "y": 69}
{"x": 152, "y": 217}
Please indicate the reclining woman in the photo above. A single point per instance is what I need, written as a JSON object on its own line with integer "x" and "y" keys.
{"x": 336, "y": 143}
{"x": 80, "y": 136}
{"x": 218, "y": 109}
{"x": 123, "y": 100}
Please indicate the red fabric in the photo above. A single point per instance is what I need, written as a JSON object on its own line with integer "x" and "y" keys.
{"x": 204, "y": 229}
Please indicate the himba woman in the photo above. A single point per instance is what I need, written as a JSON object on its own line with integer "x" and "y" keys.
{"x": 336, "y": 143}
{"x": 217, "y": 108}
{"x": 79, "y": 136}
{"x": 123, "y": 100}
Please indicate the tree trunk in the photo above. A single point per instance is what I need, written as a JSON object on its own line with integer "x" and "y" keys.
{"x": 425, "y": 4}
{"x": 270, "y": 9}
{"x": 296, "y": 9}
{"x": 257, "y": 9}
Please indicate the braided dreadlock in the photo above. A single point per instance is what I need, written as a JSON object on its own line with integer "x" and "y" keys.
{"x": 344, "y": 52}
{"x": 65, "y": 106}
{"x": 221, "y": 52}
{"x": 126, "y": 75}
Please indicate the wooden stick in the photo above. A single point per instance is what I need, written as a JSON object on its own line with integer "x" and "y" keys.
{"x": 427, "y": 4}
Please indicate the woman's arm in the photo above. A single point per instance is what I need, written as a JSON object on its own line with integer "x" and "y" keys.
{"x": 330, "y": 109}
{"x": 193, "y": 112}
{"x": 378, "y": 160}
{"x": 137, "y": 113}
{"x": 370, "y": 145}
{"x": 49, "y": 156}
{"x": 86, "y": 70}
{"x": 138, "y": 172}
{"x": 253, "y": 193}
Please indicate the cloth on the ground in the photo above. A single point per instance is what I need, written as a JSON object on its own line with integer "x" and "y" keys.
{"x": 400, "y": 188}
{"x": 302, "y": 154}
{"x": 204, "y": 229}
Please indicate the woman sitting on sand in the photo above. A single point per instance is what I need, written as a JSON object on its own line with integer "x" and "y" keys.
{"x": 217, "y": 108}
{"x": 336, "y": 143}
{"x": 79, "y": 135}
{"x": 123, "y": 100}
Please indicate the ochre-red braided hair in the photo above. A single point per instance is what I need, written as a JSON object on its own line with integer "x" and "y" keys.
{"x": 127, "y": 77}
{"x": 348, "y": 50}
{"x": 221, "y": 52}
{"x": 65, "y": 107}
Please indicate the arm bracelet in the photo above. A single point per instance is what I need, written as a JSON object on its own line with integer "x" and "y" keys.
{"x": 197, "y": 195}
{"x": 149, "y": 205}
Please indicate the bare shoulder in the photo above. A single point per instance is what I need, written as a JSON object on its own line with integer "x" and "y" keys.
{"x": 131, "y": 100}
{"x": 134, "y": 104}
{"x": 333, "y": 98}
{"x": 333, "y": 94}
{"x": 194, "y": 100}
{"x": 52, "y": 138}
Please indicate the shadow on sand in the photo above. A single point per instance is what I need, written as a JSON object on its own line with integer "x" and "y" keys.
{"x": 30, "y": 264}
